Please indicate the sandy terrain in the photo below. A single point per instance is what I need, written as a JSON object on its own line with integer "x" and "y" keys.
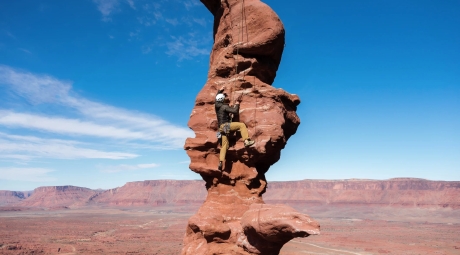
{"x": 159, "y": 230}
{"x": 92, "y": 231}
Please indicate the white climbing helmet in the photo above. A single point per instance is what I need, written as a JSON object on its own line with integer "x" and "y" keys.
{"x": 220, "y": 97}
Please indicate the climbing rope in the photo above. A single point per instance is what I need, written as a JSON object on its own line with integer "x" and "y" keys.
{"x": 243, "y": 25}
{"x": 255, "y": 110}
{"x": 240, "y": 41}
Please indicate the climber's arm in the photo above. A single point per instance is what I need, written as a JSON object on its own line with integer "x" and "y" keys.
{"x": 234, "y": 109}
{"x": 221, "y": 90}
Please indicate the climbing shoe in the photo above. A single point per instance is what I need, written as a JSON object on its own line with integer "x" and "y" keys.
{"x": 248, "y": 142}
{"x": 220, "y": 166}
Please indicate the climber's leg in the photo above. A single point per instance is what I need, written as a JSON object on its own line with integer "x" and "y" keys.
{"x": 234, "y": 126}
{"x": 240, "y": 126}
{"x": 223, "y": 148}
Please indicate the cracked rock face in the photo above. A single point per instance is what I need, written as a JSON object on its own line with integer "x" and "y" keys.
{"x": 248, "y": 44}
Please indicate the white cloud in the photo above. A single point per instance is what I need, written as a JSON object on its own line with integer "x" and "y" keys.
{"x": 189, "y": 4}
{"x": 134, "y": 34}
{"x": 173, "y": 22}
{"x": 156, "y": 5}
{"x": 154, "y": 13}
{"x": 9, "y": 34}
{"x": 26, "y": 174}
{"x": 185, "y": 48}
{"x": 201, "y": 21}
{"x": 94, "y": 119}
{"x": 144, "y": 166}
{"x": 146, "y": 49}
{"x": 25, "y": 50}
{"x": 64, "y": 126}
{"x": 28, "y": 147}
{"x": 148, "y": 7}
{"x": 157, "y": 15}
{"x": 146, "y": 21}
{"x": 104, "y": 126}
{"x": 16, "y": 156}
{"x": 131, "y": 4}
{"x": 106, "y": 7}
{"x": 36, "y": 88}
{"x": 120, "y": 168}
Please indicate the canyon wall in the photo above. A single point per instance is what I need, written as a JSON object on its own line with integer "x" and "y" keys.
{"x": 12, "y": 197}
{"x": 149, "y": 193}
{"x": 394, "y": 192}
{"x": 407, "y": 192}
{"x": 57, "y": 197}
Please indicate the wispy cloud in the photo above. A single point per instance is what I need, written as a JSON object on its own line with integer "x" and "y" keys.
{"x": 26, "y": 174}
{"x": 155, "y": 14}
{"x": 131, "y": 4}
{"x": 146, "y": 49}
{"x": 189, "y": 4}
{"x": 134, "y": 34}
{"x": 29, "y": 147}
{"x": 25, "y": 50}
{"x": 173, "y": 22}
{"x": 201, "y": 21}
{"x": 185, "y": 48}
{"x": 64, "y": 126}
{"x": 106, "y": 7}
{"x": 120, "y": 168}
{"x": 158, "y": 15}
{"x": 8, "y": 33}
{"x": 146, "y": 21}
{"x": 89, "y": 119}
{"x": 35, "y": 88}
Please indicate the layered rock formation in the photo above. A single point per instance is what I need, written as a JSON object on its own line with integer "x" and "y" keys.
{"x": 58, "y": 196}
{"x": 11, "y": 197}
{"x": 407, "y": 192}
{"x": 148, "y": 193}
{"x": 248, "y": 44}
{"x": 398, "y": 192}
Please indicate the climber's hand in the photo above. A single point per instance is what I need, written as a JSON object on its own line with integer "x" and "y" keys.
{"x": 239, "y": 99}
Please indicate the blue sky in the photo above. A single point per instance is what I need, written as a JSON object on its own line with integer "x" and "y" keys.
{"x": 96, "y": 93}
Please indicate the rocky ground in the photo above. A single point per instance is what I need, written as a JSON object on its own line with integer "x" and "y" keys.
{"x": 160, "y": 230}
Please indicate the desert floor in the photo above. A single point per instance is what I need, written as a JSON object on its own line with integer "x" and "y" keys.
{"x": 159, "y": 230}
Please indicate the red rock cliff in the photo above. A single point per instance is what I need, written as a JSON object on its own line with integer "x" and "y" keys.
{"x": 408, "y": 192}
{"x": 248, "y": 44}
{"x": 156, "y": 192}
{"x": 397, "y": 192}
{"x": 58, "y": 196}
{"x": 11, "y": 197}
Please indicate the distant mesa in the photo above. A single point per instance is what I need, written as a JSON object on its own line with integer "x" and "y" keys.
{"x": 142, "y": 193}
{"x": 12, "y": 197}
{"x": 406, "y": 192}
{"x": 58, "y": 197}
{"x": 148, "y": 193}
{"x": 399, "y": 192}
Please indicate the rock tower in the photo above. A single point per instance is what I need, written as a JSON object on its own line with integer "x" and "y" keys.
{"x": 248, "y": 44}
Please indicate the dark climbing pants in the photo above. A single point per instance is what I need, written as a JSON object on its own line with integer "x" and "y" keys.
{"x": 234, "y": 126}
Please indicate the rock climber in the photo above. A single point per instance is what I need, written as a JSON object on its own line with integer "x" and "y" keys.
{"x": 223, "y": 112}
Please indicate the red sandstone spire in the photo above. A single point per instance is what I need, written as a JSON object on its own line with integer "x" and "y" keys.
{"x": 248, "y": 44}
